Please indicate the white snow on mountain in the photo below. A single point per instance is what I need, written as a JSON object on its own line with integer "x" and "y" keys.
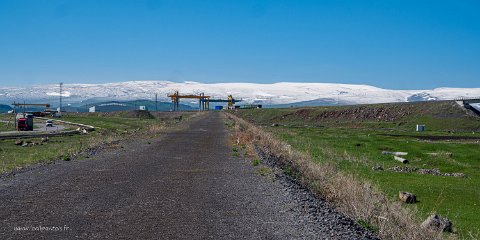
{"x": 268, "y": 94}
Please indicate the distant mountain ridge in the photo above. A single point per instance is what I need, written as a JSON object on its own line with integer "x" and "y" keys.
{"x": 282, "y": 93}
{"x": 130, "y": 105}
{"x": 5, "y": 108}
{"x": 109, "y": 106}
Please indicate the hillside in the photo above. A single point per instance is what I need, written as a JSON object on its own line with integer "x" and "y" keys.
{"x": 443, "y": 164}
{"x": 4, "y": 108}
{"x": 437, "y": 115}
{"x": 113, "y": 106}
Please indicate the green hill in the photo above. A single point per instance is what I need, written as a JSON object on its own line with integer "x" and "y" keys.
{"x": 114, "y": 106}
{"x": 444, "y": 163}
{"x": 437, "y": 116}
{"x": 4, "y": 108}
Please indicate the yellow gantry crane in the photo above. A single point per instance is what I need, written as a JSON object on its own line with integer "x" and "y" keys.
{"x": 203, "y": 102}
{"x": 230, "y": 101}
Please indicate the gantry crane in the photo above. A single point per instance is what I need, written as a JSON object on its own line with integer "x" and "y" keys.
{"x": 46, "y": 105}
{"x": 231, "y": 101}
{"x": 203, "y": 103}
{"x": 24, "y": 105}
{"x": 23, "y": 121}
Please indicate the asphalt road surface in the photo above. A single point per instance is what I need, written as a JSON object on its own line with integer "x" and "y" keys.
{"x": 183, "y": 185}
{"x": 39, "y": 127}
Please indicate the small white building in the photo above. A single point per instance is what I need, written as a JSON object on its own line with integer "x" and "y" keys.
{"x": 91, "y": 109}
{"x": 143, "y": 108}
{"x": 420, "y": 127}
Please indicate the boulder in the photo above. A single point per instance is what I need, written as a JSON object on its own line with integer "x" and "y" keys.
{"x": 407, "y": 197}
{"x": 438, "y": 223}
{"x": 377, "y": 168}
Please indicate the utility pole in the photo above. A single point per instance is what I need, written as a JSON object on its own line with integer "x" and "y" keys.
{"x": 14, "y": 115}
{"x": 156, "y": 102}
{"x": 60, "y": 108}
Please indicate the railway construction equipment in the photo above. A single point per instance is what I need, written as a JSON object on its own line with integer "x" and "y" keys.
{"x": 466, "y": 103}
{"x": 203, "y": 100}
{"x": 231, "y": 101}
{"x": 24, "y": 105}
{"x": 37, "y": 114}
{"x": 31, "y": 104}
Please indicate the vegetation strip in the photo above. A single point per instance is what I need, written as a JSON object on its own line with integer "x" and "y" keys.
{"x": 110, "y": 128}
{"x": 350, "y": 194}
{"x": 39, "y": 134}
{"x": 448, "y": 175}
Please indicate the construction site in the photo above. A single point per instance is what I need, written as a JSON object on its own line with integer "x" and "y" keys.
{"x": 22, "y": 114}
{"x": 23, "y": 119}
{"x": 204, "y": 101}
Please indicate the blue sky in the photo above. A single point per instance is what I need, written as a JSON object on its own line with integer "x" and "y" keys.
{"x": 391, "y": 44}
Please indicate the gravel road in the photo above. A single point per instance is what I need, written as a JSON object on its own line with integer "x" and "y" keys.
{"x": 184, "y": 185}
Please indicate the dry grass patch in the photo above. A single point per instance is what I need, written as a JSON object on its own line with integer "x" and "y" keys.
{"x": 354, "y": 196}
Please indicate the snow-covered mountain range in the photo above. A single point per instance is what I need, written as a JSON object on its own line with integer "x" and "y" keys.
{"x": 267, "y": 94}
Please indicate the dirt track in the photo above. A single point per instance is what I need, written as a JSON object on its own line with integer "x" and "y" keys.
{"x": 185, "y": 185}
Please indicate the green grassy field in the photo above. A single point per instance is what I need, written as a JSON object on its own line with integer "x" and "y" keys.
{"x": 109, "y": 128}
{"x": 6, "y": 127}
{"x": 116, "y": 122}
{"x": 354, "y": 137}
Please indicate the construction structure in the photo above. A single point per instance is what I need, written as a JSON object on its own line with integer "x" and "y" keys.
{"x": 24, "y": 119}
{"x": 38, "y": 114}
{"x": 467, "y": 103}
{"x": 46, "y": 105}
{"x": 203, "y": 101}
{"x": 230, "y": 101}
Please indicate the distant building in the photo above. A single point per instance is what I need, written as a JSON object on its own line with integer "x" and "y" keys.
{"x": 113, "y": 104}
{"x": 143, "y": 108}
{"x": 420, "y": 128}
{"x": 92, "y": 109}
{"x": 250, "y": 106}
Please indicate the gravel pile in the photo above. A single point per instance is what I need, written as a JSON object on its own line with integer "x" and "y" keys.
{"x": 426, "y": 171}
